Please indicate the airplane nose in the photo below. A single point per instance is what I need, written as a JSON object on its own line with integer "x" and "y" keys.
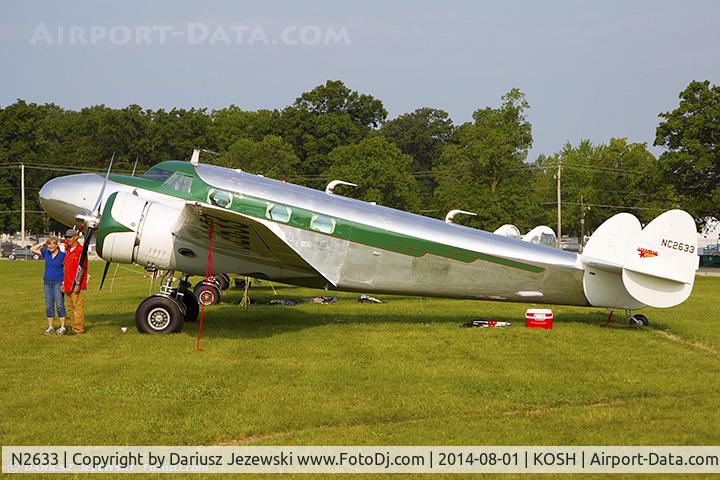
{"x": 47, "y": 190}
{"x": 65, "y": 197}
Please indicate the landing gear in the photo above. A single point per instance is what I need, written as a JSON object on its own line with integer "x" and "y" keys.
{"x": 223, "y": 281}
{"x": 637, "y": 320}
{"x": 192, "y": 307}
{"x": 166, "y": 311}
{"x": 212, "y": 295}
{"x": 207, "y": 293}
{"x": 159, "y": 314}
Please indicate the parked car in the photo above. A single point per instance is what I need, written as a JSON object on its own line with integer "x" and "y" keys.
{"x": 21, "y": 253}
{"x": 7, "y": 248}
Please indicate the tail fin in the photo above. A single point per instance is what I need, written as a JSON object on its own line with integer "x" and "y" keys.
{"x": 660, "y": 268}
{"x": 626, "y": 266}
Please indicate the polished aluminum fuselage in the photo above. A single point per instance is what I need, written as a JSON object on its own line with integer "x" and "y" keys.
{"x": 358, "y": 267}
{"x": 355, "y": 266}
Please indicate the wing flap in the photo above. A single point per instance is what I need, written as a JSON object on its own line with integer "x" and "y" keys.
{"x": 238, "y": 235}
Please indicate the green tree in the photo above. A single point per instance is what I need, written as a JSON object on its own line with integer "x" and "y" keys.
{"x": 421, "y": 135}
{"x": 173, "y": 134}
{"x": 325, "y": 118}
{"x": 603, "y": 180}
{"x": 271, "y": 157}
{"x": 380, "y": 171}
{"x": 335, "y": 97}
{"x": 24, "y": 138}
{"x": 232, "y": 123}
{"x": 691, "y": 135}
{"x": 484, "y": 170}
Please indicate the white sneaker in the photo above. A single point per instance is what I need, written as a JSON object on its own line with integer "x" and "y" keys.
{"x": 49, "y": 331}
{"x": 61, "y": 331}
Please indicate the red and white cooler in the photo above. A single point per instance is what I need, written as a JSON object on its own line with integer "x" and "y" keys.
{"x": 539, "y": 318}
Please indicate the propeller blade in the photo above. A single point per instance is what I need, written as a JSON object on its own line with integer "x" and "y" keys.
{"x": 90, "y": 230}
{"x": 96, "y": 208}
{"x": 83, "y": 257}
{"x": 105, "y": 270}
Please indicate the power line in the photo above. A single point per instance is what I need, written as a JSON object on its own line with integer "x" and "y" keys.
{"x": 20, "y": 211}
{"x": 625, "y": 207}
{"x": 69, "y": 169}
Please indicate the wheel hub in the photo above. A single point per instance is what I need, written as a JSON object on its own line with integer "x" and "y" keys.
{"x": 158, "y": 318}
{"x": 207, "y": 297}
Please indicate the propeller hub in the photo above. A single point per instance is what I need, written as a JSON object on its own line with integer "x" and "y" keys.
{"x": 90, "y": 221}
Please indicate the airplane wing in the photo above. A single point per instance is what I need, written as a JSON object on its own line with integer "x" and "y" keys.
{"x": 244, "y": 238}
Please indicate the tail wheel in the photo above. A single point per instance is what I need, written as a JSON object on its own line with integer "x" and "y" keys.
{"x": 159, "y": 314}
{"x": 207, "y": 293}
{"x": 639, "y": 320}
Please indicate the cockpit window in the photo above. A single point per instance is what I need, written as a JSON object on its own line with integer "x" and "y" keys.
{"x": 181, "y": 183}
{"x": 157, "y": 173}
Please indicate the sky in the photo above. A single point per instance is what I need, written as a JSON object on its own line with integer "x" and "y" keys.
{"x": 589, "y": 69}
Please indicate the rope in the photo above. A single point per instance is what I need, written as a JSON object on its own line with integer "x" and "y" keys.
{"x": 112, "y": 282}
{"x": 245, "y": 302}
{"x": 208, "y": 274}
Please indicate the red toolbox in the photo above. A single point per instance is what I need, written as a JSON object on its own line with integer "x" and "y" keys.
{"x": 539, "y": 318}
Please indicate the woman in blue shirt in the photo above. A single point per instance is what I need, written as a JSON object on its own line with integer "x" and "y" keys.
{"x": 53, "y": 280}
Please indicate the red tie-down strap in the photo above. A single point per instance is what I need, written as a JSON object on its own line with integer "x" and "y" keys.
{"x": 208, "y": 274}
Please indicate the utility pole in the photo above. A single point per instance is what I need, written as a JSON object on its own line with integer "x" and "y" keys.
{"x": 559, "y": 216}
{"x": 582, "y": 224}
{"x": 22, "y": 202}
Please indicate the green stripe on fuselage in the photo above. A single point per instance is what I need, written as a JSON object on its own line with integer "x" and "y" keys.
{"x": 301, "y": 218}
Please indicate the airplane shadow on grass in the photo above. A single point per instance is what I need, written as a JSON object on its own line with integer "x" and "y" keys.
{"x": 262, "y": 320}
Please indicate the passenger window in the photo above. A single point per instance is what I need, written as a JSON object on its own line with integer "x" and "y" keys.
{"x": 181, "y": 183}
{"x": 322, "y": 224}
{"x": 279, "y": 213}
{"x": 220, "y": 198}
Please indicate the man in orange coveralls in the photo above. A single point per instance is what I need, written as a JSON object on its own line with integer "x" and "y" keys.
{"x": 74, "y": 294}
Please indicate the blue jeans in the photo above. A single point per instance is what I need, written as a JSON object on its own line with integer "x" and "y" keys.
{"x": 53, "y": 299}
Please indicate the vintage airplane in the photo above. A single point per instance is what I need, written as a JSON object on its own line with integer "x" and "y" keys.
{"x": 275, "y": 230}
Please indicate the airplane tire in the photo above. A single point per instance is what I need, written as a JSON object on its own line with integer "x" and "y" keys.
{"x": 223, "y": 281}
{"x": 639, "y": 320}
{"x": 192, "y": 307}
{"x": 159, "y": 314}
{"x": 211, "y": 296}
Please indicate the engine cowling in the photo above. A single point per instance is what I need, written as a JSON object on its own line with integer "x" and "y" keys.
{"x": 134, "y": 230}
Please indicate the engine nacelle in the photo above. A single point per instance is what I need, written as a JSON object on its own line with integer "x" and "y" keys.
{"x": 134, "y": 230}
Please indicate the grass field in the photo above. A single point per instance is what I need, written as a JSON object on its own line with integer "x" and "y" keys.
{"x": 349, "y": 373}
